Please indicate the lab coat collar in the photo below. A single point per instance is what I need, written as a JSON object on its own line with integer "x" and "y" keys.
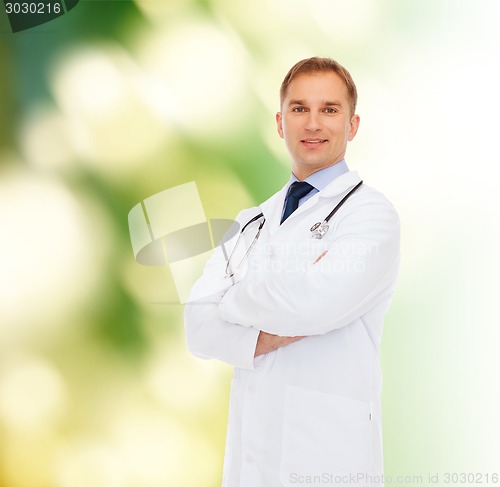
{"x": 272, "y": 208}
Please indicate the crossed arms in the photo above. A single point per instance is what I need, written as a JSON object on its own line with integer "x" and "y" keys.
{"x": 236, "y": 323}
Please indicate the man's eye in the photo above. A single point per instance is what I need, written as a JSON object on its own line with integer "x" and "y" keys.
{"x": 298, "y": 109}
{"x": 330, "y": 110}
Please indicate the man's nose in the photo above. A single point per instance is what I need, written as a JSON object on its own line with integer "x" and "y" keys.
{"x": 312, "y": 122}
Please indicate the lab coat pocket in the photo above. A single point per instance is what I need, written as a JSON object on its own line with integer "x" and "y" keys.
{"x": 323, "y": 435}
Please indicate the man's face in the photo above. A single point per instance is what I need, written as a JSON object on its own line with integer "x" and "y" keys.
{"x": 316, "y": 122}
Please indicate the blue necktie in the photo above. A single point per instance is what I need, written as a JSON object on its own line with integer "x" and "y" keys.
{"x": 296, "y": 191}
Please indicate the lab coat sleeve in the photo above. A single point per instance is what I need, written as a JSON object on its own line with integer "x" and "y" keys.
{"x": 209, "y": 336}
{"x": 358, "y": 271}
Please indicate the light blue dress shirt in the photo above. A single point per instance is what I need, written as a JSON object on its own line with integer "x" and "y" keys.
{"x": 319, "y": 179}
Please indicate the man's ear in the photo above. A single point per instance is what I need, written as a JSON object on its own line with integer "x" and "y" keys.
{"x": 353, "y": 127}
{"x": 279, "y": 124}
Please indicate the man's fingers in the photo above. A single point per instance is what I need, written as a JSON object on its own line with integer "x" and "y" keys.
{"x": 267, "y": 342}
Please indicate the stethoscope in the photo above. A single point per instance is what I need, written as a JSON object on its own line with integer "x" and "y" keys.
{"x": 318, "y": 230}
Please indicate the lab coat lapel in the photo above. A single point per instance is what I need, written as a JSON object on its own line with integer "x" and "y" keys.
{"x": 339, "y": 185}
{"x": 272, "y": 209}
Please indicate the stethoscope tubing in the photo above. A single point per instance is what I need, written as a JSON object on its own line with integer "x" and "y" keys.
{"x": 313, "y": 228}
{"x": 255, "y": 218}
{"x": 341, "y": 202}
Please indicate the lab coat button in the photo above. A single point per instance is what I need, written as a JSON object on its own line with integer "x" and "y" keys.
{"x": 251, "y": 388}
{"x": 249, "y": 458}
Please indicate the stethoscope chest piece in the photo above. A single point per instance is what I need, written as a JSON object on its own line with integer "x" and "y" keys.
{"x": 319, "y": 229}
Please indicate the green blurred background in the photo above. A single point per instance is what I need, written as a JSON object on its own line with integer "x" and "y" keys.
{"x": 118, "y": 100}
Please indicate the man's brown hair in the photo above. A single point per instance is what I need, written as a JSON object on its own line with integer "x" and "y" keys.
{"x": 316, "y": 65}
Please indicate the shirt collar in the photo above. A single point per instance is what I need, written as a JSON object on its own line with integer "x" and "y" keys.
{"x": 322, "y": 178}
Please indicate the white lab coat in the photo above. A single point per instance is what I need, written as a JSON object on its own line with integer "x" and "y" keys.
{"x": 308, "y": 413}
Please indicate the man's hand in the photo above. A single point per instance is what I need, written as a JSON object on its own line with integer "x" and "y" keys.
{"x": 267, "y": 343}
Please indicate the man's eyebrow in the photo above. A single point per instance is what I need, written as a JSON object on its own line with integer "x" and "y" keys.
{"x": 296, "y": 102}
{"x": 334, "y": 103}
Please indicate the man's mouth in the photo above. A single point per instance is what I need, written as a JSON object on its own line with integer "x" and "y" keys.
{"x": 314, "y": 141}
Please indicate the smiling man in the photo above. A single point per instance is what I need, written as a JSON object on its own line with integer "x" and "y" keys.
{"x": 298, "y": 308}
{"x": 317, "y": 117}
